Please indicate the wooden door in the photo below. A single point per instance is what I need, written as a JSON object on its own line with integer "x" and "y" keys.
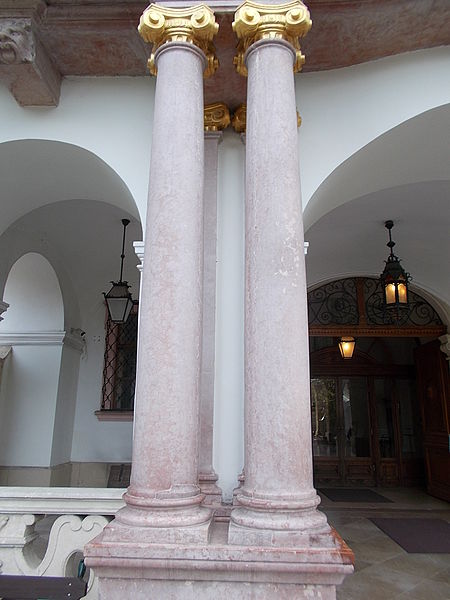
{"x": 433, "y": 390}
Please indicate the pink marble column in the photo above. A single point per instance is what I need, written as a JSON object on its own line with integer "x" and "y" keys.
{"x": 207, "y": 476}
{"x": 277, "y": 504}
{"x": 163, "y": 495}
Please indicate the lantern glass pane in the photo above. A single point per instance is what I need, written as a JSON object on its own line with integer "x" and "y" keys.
{"x": 402, "y": 293}
{"x": 389, "y": 291}
{"x": 346, "y": 347}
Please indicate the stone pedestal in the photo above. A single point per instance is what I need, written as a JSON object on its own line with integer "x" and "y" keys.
{"x": 218, "y": 570}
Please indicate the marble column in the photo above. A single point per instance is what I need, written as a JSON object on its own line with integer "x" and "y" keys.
{"x": 277, "y": 503}
{"x": 163, "y": 496}
{"x": 216, "y": 118}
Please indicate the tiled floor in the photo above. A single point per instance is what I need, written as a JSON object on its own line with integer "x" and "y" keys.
{"x": 383, "y": 570}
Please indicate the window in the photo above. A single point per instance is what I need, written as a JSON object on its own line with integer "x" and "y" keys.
{"x": 119, "y": 371}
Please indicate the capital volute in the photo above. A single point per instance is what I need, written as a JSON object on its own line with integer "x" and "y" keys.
{"x": 195, "y": 25}
{"x": 216, "y": 116}
{"x": 254, "y": 22}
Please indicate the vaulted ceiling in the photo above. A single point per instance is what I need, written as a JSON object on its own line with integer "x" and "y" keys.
{"x": 43, "y": 41}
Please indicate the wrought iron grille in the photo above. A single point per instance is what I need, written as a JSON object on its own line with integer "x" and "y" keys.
{"x": 418, "y": 314}
{"x": 334, "y": 303}
{"x": 119, "y": 371}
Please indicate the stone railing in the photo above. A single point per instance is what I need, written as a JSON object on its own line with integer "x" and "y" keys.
{"x": 43, "y": 530}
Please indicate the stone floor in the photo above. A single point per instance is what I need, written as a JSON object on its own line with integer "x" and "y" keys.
{"x": 383, "y": 570}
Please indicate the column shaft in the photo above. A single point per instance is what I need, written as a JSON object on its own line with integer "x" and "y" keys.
{"x": 278, "y": 493}
{"x": 165, "y": 445}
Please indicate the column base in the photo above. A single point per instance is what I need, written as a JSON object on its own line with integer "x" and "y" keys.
{"x": 210, "y": 489}
{"x": 143, "y": 570}
{"x": 168, "y": 517}
{"x": 265, "y": 520}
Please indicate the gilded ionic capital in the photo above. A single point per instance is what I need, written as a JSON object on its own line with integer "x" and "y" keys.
{"x": 216, "y": 116}
{"x": 195, "y": 25}
{"x": 239, "y": 120}
{"x": 254, "y": 22}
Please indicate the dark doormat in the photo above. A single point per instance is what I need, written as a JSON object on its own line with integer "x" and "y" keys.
{"x": 352, "y": 495}
{"x": 417, "y": 536}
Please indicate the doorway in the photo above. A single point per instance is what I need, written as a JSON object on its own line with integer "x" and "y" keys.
{"x": 366, "y": 430}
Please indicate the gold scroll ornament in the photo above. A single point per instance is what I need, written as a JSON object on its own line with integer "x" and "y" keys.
{"x": 194, "y": 25}
{"x": 216, "y": 116}
{"x": 254, "y": 22}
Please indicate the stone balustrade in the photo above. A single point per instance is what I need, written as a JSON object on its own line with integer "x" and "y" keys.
{"x": 43, "y": 530}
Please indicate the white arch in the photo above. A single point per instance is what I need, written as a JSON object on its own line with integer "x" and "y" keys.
{"x": 36, "y": 172}
{"x": 34, "y": 295}
{"x": 343, "y": 110}
{"x": 415, "y": 151}
{"x": 110, "y": 117}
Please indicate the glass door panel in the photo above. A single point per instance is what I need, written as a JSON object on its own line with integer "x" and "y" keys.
{"x": 323, "y": 416}
{"x": 385, "y": 418}
{"x": 409, "y": 418}
{"x": 356, "y": 417}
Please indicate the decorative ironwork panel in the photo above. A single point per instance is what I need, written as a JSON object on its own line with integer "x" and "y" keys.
{"x": 119, "y": 371}
{"x": 334, "y": 303}
{"x": 418, "y": 314}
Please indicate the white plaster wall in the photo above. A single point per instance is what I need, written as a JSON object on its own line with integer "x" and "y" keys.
{"x": 65, "y": 407}
{"x": 34, "y": 297}
{"x": 344, "y": 109}
{"x": 111, "y": 117}
{"x": 29, "y": 391}
{"x": 229, "y": 383}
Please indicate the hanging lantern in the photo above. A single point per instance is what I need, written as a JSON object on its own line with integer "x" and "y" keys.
{"x": 347, "y": 346}
{"x": 394, "y": 279}
{"x": 119, "y": 300}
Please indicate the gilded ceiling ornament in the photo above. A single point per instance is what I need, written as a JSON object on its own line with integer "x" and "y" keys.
{"x": 195, "y": 25}
{"x": 216, "y": 116}
{"x": 254, "y": 22}
{"x": 239, "y": 120}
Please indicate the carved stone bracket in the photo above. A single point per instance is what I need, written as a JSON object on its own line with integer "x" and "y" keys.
{"x": 3, "y": 308}
{"x": 254, "y": 22}
{"x": 25, "y": 65}
{"x": 216, "y": 116}
{"x": 195, "y": 25}
{"x": 445, "y": 345}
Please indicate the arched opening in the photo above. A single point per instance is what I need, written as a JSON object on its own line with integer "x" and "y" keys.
{"x": 371, "y": 423}
{"x": 67, "y": 212}
{"x": 30, "y": 387}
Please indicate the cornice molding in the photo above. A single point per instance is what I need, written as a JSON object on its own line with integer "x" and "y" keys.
{"x": 41, "y": 338}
